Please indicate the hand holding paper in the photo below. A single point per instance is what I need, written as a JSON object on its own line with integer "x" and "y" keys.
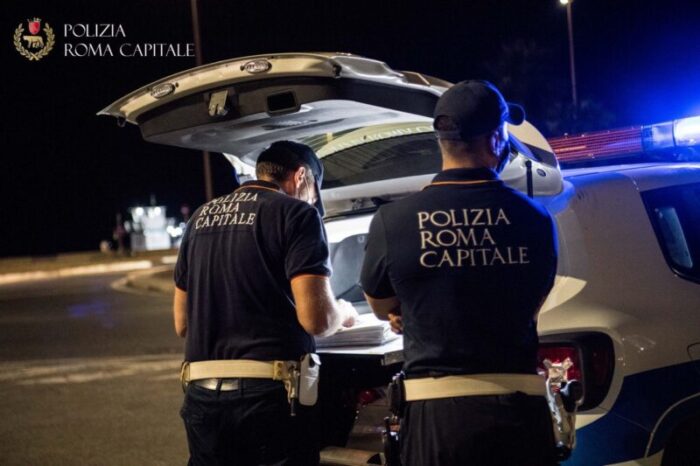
{"x": 396, "y": 323}
{"x": 366, "y": 331}
{"x": 348, "y": 312}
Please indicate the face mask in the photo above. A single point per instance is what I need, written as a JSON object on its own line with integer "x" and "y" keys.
{"x": 504, "y": 154}
{"x": 308, "y": 199}
{"x": 503, "y": 157}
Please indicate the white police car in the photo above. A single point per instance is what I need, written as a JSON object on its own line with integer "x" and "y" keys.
{"x": 626, "y": 304}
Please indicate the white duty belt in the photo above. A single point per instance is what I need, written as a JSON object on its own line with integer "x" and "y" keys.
{"x": 300, "y": 378}
{"x": 236, "y": 368}
{"x": 432, "y": 388}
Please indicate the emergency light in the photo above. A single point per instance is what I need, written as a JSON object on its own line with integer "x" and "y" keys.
{"x": 687, "y": 131}
{"x": 627, "y": 142}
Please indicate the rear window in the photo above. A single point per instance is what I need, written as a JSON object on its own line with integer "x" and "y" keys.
{"x": 416, "y": 154}
{"x": 675, "y": 215}
{"x": 398, "y": 157}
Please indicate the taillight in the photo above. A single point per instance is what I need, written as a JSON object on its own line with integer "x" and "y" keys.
{"x": 365, "y": 397}
{"x": 586, "y": 357}
{"x": 566, "y": 357}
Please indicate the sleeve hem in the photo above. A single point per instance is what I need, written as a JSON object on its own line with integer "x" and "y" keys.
{"x": 301, "y": 275}
{"x": 387, "y": 296}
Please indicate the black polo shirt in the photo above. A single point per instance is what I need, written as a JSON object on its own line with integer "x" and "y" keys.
{"x": 470, "y": 260}
{"x": 236, "y": 260}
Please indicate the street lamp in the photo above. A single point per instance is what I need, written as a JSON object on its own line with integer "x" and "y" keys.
{"x": 570, "y": 23}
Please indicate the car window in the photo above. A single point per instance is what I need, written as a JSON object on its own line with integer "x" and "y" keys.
{"x": 398, "y": 157}
{"x": 415, "y": 154}
{"x": 675, "y": 215}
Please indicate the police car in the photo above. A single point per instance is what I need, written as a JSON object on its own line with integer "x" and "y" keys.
{"x": 625, "y": 310}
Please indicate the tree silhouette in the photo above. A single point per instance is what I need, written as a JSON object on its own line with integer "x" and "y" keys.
{"x": 533, "y": 75}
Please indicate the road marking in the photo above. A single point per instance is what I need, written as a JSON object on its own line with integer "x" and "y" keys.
{"x": 84, "y": 370}
{"x": 122, "y": 285}
{"x": 9, "y": 278}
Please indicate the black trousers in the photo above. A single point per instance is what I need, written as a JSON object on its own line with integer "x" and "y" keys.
{"x": 508, "y": 430}
{"x": 248, "y": 426}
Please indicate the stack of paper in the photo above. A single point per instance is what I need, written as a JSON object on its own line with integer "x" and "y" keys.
{"x": 367, "y": 331}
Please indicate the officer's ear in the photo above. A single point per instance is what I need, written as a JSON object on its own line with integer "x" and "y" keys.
{"x": 498, "y": 140}
{"x": 299, "y": 176}
{"x": 495, "y": 142}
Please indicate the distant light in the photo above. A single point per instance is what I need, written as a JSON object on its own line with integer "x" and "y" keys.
{"x": 564, "y": 2}
{"x": 686, "y": 131}
{"x": 174, "y": 231}
{"x": 139, "y": 211}
{"x": 156, "y": 211}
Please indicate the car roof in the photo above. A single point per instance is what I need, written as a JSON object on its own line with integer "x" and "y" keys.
{"x": 646, "y": 176}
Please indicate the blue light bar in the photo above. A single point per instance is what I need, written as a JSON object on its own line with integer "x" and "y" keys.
{"x": 686, "y": 131}
{"x": 627, "y": 142}
{"x": 658, "y": 136}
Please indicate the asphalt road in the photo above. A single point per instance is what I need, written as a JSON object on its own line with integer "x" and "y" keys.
{"x": 88, "y": 375}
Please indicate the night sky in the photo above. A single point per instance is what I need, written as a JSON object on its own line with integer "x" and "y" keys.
{"x": 66, "y": 172}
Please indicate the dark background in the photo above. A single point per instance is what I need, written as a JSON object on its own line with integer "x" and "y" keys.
{"x": 66, "y": 172}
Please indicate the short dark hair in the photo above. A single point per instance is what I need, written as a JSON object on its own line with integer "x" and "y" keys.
{"x": 278, "y": 172}
{"x": 274, "y": 170}
{"x": 444, "y": 123}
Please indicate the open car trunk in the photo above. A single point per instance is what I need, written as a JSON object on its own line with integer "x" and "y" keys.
{"x": 240, "y": 106}
{"x": 330, "y": 101}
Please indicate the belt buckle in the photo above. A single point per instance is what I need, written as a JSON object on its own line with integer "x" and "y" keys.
{"x": 227, "y": 385}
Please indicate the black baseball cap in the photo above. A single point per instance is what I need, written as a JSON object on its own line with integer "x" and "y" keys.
{"x": 476, "y": 107}
{"x": 292, "y": 155}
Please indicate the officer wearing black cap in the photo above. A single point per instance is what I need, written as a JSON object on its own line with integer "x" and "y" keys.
{"x": 462, "y": 268}
{"x": 252, "y": 287}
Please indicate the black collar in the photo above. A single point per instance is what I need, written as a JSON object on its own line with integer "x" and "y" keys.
{"x": 458, "y": 175}
{"x": 465, "y": 177}
{"x": 261, "y": 184}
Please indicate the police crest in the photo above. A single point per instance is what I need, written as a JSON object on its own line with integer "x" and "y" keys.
{"x": 34, "y": 46}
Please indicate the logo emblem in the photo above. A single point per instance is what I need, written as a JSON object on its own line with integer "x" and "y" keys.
{"x": 256, "y": 66}
{"x": 161, "y": 90}
{"x": 35, "y": 26}
{"x": 37, "y": 45}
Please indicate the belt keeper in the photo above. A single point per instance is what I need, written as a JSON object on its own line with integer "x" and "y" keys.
{"x": 279, "y": 370}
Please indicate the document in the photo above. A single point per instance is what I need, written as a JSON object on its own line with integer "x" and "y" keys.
{"x": 367, "y": 331}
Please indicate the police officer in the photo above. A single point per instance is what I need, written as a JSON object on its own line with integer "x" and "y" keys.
{"x": 462, "y": 267}
{"x": 252, "y": 287}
